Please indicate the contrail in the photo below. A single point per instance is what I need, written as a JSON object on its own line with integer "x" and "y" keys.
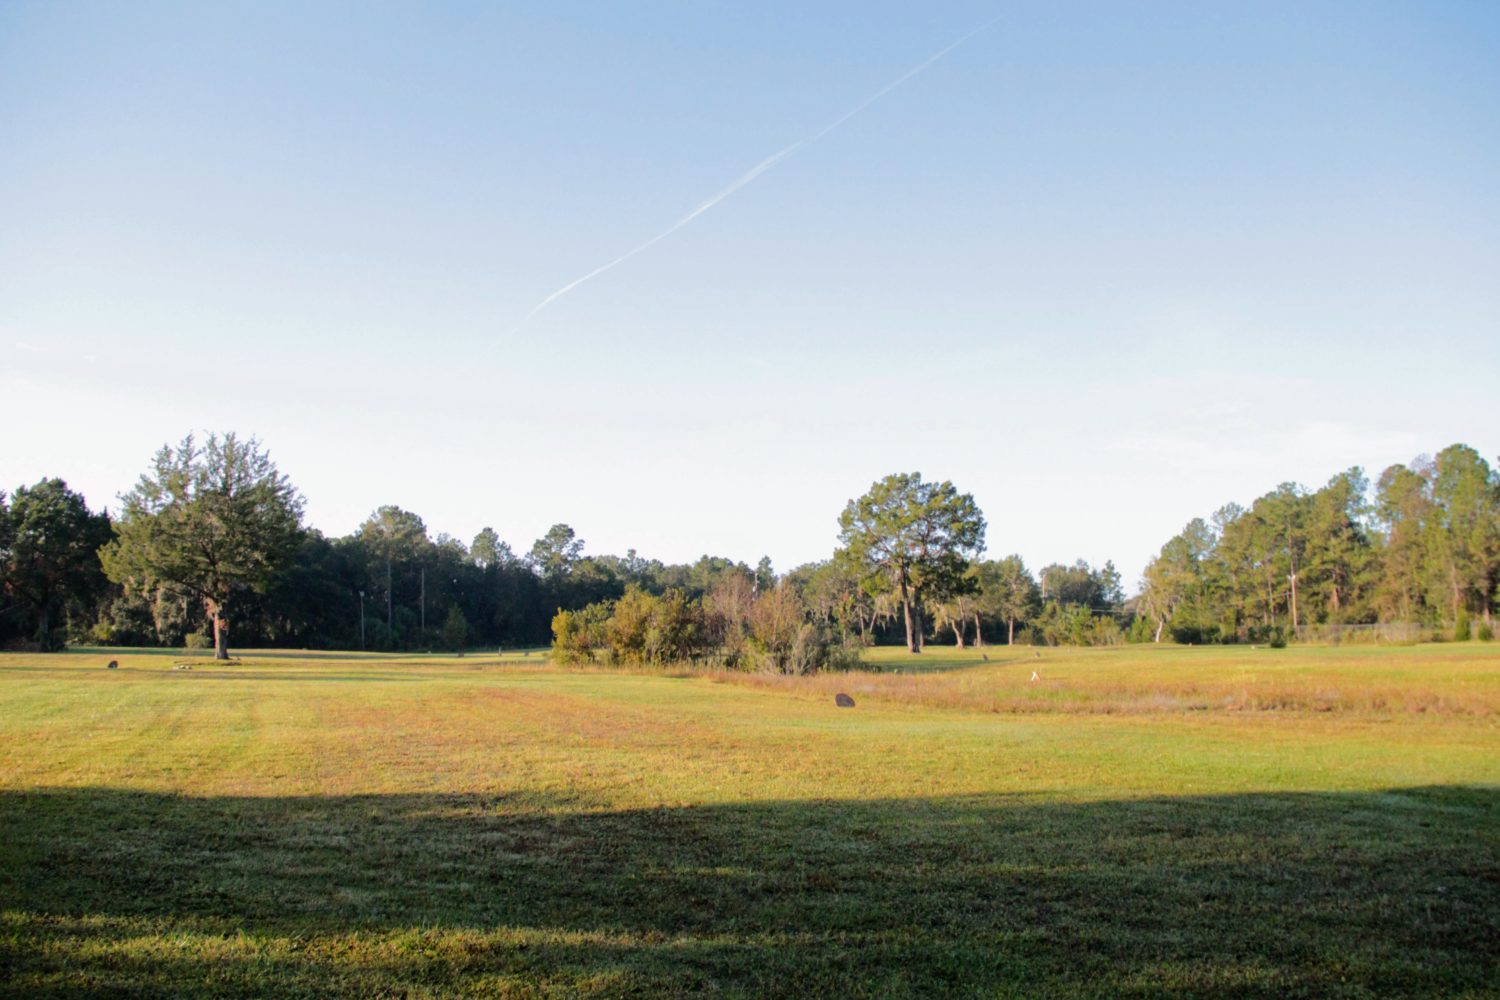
{"x": 758, "y": 169}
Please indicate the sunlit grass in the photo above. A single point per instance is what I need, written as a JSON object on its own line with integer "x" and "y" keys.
{"x": 1451, "y": 679}
{"x": 1316, "y": 822}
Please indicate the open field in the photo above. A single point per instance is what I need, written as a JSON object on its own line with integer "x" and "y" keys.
{"x": 1452, "y": 679}
{"x": 1136, "y": 822}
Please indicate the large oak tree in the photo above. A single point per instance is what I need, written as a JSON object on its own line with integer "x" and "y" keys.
{"x": 212, "y": 521}
{"x": 919, "y": 536}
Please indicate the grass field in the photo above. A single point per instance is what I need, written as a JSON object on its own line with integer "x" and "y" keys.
{"x": 1134, "y": 822}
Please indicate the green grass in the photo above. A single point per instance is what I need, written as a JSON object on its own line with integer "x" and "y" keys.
{"x": 1138, "y": 822}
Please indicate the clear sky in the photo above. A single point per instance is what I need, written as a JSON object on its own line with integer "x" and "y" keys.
{"x": 1105, "y": 266}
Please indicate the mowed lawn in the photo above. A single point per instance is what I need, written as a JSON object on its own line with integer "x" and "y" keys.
{"x": 1132, "y": 822}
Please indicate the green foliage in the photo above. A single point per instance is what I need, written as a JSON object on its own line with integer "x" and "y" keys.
{"x": 1007, "y": 592}
{"x": 777, "y": 632}
{"x": 1081, "y": 584}
{"x": 1426, "y": 551}
{"x": 581, "y": 636}
{"x": 125, "y": 620}
{"x": 49, "y": 565}
{"x": 1321, "y": 564}
{"x": 837, "y": 593}
{"x": 487, "y": 549}
{"x": 1462, "y": 632}
{"x": 1193, "y": 633}
{"x": 557, "y": 552}
{"x": 454, "y": 634}
{"x": 731, "y": 627}
{"x": 919, "y": 536}
{"x": 765, "y": 575}
{"x": 1075, "y": 625}
{"x": 210, "y": 521}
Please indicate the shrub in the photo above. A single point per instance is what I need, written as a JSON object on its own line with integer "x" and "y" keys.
{"x": 772, "y": 632}
{"x": 455, "y": 630}
{"x": 1271, "y": 635}
{"x": 196, "y": 640}
{"x": 580, "y": 636}
{"x": 1461, "y": 630}
{"x": 845, "y": 655}
{"x": 1486, "y": 632}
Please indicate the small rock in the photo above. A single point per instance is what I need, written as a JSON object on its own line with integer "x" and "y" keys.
{"x": 113, "y": 665}
{"x": 842, "y": 700}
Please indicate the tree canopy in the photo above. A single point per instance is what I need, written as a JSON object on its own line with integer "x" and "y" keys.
{"x": 210, "y": 520}
{"x": 918, "y": 535}
{"x": 49, "y": 542}
{"x": 212, "y": 532}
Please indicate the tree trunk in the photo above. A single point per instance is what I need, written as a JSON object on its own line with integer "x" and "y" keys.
{"x": 958, "y": 631}
{"x": 221, "y": 629}
{"x": 978, "y": 631}
{"x": 1161, "y": 623}
{"x": 1293, "y": 577}
{"x": 1010, "y": 635}
{"x": 912, "y": 640}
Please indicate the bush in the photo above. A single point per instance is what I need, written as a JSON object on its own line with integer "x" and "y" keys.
{"x": 1195, "y": 634}
{"x": 455, "y": 631}
{"x": 197, "y": 640}
{"x": 1461, "y": 630}
{"x": 845, "y": 655}
{"x": 581, "y": 636}
{"x": 770, "y": 632}
{"x": 1271, "y": 635}
{"x": 1486, "y": 633}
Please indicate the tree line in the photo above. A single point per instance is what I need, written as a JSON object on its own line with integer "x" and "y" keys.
{"x": 211, "y": 543}
{"x": 1422, "y": 549}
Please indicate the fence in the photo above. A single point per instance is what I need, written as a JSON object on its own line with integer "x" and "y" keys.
{"x": 1370, "y": 635}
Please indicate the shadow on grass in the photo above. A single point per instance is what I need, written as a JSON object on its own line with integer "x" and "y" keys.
{"x": 1391, "y": 894}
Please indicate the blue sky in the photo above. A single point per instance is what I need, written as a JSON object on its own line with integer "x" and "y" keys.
{"x": 1105, "y": 266}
